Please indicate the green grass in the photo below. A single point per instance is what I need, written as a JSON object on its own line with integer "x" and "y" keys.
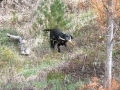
{"x": 60, "y": 82}
{"x": 39, "y": 85}
{"x": 12, "y": 85}
{"x": 4, "y": 40}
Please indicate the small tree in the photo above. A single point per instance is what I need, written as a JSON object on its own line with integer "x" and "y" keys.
{"x": 107, "y": 10}
{"x": 51, "y": 14}
{"x": 109, "y": 45}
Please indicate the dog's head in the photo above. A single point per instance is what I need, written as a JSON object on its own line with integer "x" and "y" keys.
{"x": 67, "y": 37}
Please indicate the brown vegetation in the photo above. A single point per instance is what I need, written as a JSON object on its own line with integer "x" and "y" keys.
{"x": 101, "y": 7}
{"x": 95, "y": 85}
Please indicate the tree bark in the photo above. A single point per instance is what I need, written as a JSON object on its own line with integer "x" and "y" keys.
{"x": 109, "y": 46}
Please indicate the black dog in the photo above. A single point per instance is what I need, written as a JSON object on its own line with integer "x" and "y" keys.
{"x": 59, "y": 38}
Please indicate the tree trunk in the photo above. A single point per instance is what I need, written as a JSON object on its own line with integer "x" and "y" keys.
{"x": 109, "y": 46}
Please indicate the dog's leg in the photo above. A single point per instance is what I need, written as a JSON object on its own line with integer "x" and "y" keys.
{"x": 52, "y": 44}
{"x": 67, "y": 48}
{"x": 58, "y": 46}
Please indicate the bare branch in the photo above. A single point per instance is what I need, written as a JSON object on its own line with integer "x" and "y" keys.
{"x": 25, "y": 51}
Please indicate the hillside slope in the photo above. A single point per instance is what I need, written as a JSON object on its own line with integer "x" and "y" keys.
{"x": 45, "y": 69}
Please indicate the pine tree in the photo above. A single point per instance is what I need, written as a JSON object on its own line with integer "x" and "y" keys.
{"x": 52, "y": 14}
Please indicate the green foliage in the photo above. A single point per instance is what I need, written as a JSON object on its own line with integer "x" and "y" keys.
{"x": 7, "y": 54}
{"x": 115, "y": 53}
{"x": 52, "y": 15}
{"x": 55, "y": 75}
{"x": 39, "y": 85}
{"x": 56, "y": 84}
{"x": 63, "y": 82}
{"x": 28, "y": 71}
{"x": 55, "y": 79}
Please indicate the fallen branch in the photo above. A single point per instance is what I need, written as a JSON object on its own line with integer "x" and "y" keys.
{"x": 25, "y": 51}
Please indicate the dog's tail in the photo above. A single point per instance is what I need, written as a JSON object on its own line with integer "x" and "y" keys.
{"x": 47, "y": 29}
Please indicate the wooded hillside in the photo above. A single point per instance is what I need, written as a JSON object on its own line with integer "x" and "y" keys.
{"x": 28, "y": 63}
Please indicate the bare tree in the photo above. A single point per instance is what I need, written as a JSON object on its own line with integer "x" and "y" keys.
{"x": 109, "y": 45}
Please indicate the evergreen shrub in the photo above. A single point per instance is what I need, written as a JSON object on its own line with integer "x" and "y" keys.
{"x": 51, "y": 14}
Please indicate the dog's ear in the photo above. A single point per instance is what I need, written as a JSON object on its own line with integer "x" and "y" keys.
{"x": 71, "y": 36}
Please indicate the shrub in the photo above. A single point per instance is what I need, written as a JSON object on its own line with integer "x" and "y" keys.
{"x": 7, "y": 54}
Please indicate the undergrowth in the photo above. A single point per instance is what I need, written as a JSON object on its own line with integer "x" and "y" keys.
{"x": 43, "y": 69}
